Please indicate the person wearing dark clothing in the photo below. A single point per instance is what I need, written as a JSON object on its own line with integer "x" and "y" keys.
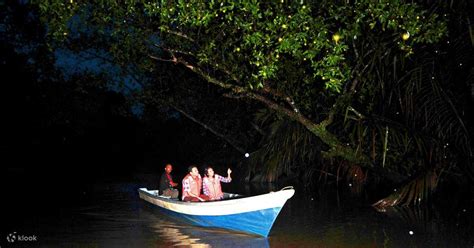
{"x": 167, "y": 184}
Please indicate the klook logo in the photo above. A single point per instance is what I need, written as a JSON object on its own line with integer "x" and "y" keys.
{"x": 13, "y": 237}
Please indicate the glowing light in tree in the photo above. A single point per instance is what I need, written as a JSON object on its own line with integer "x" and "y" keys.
{"x": 406, "y": 36}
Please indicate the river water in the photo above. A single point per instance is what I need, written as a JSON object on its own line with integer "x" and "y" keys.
{"x": 110, "y": 214}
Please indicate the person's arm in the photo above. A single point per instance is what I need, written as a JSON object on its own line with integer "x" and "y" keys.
{"x": 172, "y": 183}
{"x": 163, "y": 183}
{"x": 205, "y": 186}
{"x": 227, "y": 179}
{"x": 223, "y": 179}
{"x": 186, "y": 187}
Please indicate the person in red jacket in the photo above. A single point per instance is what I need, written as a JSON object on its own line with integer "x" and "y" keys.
{"x": 192, "y": 184}
{"x": 212, "y": 184}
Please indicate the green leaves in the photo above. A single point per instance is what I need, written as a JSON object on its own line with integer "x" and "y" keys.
{"x": 262, "y": 36}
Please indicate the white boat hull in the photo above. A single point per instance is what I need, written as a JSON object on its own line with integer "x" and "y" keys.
{"x": 254, "y": 214}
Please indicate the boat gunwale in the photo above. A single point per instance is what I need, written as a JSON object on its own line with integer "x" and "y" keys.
{"x": 225, "y": 202}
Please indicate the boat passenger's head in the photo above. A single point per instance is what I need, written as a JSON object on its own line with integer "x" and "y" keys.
{"x": 209, "y": 171}
{"x": 168, "y": 168}
{"x": 193, "y": 170}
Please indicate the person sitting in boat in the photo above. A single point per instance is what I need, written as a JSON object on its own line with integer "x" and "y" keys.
{"x": 167, "y": 184}
{"x": 192, "y": 184}
{"x": 212, "y": 183}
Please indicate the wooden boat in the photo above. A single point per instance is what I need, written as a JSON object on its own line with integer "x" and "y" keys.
{"x": 254, "y": 214}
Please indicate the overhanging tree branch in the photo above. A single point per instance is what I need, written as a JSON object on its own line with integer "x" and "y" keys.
{"x": 337, "y": 149}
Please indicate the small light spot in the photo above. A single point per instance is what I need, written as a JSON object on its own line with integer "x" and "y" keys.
{"x": 433, "y": 77}
{"x": 394, "y": 190}
{"x": 406, "y": 35}
{"x": 247, "y": 155}
{"x": 350, "y": 184}
{"x": 411, "y": 232}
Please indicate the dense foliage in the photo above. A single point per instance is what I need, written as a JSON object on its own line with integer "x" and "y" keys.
{"x": 357, "y": 75}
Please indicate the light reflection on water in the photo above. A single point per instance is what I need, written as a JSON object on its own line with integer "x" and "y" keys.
{"x": 176, "y": 233}
{"x": 112, "y": 215}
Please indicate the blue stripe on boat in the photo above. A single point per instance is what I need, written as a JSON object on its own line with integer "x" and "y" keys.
{"x": 255, "y": 222}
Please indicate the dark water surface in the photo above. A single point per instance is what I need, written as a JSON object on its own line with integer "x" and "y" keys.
{"x": 110, "y": 214}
